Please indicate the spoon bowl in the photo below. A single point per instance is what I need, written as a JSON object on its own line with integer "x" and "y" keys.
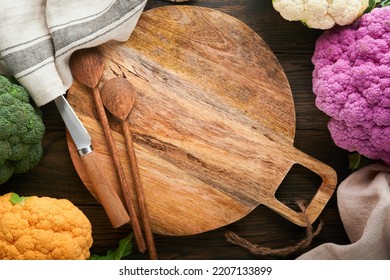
{"x": 87, "y": 66}
{"x": 118, "y": 96}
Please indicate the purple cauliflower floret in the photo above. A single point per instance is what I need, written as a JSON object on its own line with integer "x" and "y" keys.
{"x": 351, "y": 81}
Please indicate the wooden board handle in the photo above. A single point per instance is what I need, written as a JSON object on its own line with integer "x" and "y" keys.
{"x": 106, "y": 194}
{"x": 321, "y": 197}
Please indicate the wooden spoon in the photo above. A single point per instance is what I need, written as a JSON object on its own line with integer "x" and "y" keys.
{"x": 118, "y": 97}
{"x": 87, "y": 66}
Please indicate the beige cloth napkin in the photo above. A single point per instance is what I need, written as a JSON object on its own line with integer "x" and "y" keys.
{"x": 37, "y": 38}
{"x": 364, "y": 205}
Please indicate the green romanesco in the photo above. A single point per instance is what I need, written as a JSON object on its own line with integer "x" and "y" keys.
{"x": 21, "y": 131}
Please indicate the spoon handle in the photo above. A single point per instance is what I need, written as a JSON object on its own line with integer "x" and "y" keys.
{"x": 139, "y": 190}
{"x": 119, "y": 170}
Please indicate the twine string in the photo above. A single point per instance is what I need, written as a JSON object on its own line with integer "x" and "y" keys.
{"x": 256, "y": 249}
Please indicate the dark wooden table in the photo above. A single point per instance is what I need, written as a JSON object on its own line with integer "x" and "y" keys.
{"x": 293, "y": 45}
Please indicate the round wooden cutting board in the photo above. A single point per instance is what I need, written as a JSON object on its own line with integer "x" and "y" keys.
{"x": 213, "y": 121}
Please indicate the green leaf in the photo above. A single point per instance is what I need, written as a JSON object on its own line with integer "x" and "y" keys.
{"x": 16, "y": 199}
{"x": 354, "y": 161}
{"x": 357, "y": 161}
{"x": 374, "y": 3}
{"x": 385, "y": 3}
{"x": 124, "y": 249}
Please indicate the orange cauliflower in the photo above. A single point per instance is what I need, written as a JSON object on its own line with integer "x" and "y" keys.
{"x": 38, "y": 228}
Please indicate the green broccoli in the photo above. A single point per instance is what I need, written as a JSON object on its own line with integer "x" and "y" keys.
{"x": 21, "y": 130}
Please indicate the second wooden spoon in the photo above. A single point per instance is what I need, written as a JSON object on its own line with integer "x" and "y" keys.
{"x": 118, "y": 97}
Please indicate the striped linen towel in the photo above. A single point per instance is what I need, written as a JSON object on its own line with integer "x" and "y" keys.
{"x": 37, "y": 38}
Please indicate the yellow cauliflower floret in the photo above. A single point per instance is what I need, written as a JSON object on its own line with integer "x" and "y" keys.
{"x": 43, "y": 228}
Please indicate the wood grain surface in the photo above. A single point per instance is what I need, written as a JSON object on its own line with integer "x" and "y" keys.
{"x": 213, "y": 121}
{"x": 293, "y": 45}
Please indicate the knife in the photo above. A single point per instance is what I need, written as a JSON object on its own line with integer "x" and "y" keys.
{"x": 104, "y": 190}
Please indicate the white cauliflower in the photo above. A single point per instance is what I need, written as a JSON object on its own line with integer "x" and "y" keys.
{"x": 321, "y": 14}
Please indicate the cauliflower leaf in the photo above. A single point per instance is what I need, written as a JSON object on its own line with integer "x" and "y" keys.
{"x": 124, "y": 249}
{"x": 16, "y": 199}
{"x": 374, "y": 3}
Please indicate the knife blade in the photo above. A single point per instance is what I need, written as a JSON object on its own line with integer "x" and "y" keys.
{"x": 79, "y": 134}
{"x": 102, "y": 187}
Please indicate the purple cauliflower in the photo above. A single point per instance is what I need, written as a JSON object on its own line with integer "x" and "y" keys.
{"x": 351, "y": 81}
